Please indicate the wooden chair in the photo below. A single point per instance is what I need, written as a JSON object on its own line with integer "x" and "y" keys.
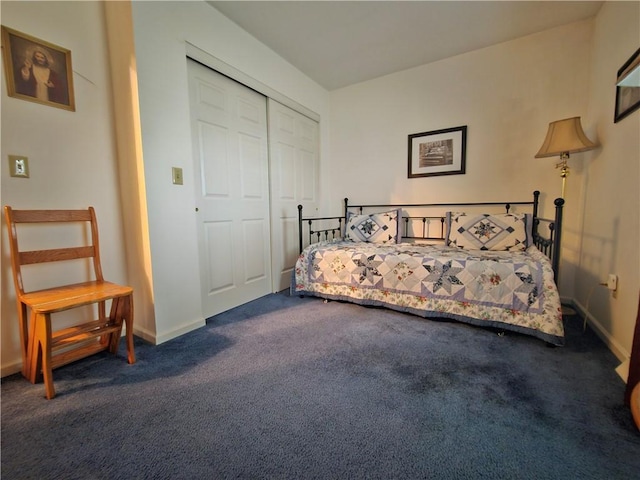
{"x": 44, "y": 348}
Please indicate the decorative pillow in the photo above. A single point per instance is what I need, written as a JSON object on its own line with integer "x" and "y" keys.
{"x": 508, "y": 231}
{"x": 374, "y": 228}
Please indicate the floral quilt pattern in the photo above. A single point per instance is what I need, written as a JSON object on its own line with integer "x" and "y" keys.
{"x": 508, "y": 290}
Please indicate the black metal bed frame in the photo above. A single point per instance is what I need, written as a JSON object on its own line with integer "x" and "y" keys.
{"x": 549, "y": 245}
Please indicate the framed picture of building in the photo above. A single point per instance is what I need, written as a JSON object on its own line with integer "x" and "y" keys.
{"x": 37, "y": 71}
{"x": 628, "y": 88}
{"x": 438, "y": 152}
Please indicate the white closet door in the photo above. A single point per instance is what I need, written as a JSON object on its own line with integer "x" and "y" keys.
{"x": 230, "y": 148}
{"x": 294, "y": 152}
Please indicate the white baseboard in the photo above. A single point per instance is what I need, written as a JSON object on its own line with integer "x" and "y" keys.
{"x": 181, "y": 330}
{"x": 623, "y": 370}
{"x": 145, "y": 334}
{"x": 12, "y": 368}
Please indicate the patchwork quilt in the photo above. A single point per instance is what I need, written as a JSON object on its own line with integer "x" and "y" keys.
{"x": 509, "y": 290}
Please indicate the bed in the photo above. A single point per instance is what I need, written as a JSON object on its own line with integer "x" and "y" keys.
{"x": 468, "y": 262}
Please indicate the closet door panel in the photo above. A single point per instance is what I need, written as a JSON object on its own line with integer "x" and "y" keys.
{"x": 231, "y": 167}
{"x": 294, "y": 151}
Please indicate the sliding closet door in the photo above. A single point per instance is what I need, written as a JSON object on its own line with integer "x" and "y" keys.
{"x": 230, "y": 148}
{"x": 294, "y": 152}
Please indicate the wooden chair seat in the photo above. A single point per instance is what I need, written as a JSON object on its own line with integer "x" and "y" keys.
{"x": 70, "y": 296}
{"x": 43, "y": 347}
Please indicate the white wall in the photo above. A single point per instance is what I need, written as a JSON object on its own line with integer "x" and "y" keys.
{"x": 162, "y": 31}
{"x": 611, "y": 200}
{"x": 506, "y": 95}
{"x": 71, "y": 154}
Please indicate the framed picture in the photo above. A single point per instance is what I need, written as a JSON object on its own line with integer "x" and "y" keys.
{"x": 439, "y": 152}
{"x": 37, "y": 71}
{"x": 628, "y": 87}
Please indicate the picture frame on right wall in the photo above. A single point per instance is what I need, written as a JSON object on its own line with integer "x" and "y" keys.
{"x": 438, "y": 152}
{"x": 628, "y": 88}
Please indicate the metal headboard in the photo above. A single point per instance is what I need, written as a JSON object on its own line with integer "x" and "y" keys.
{"x": 332, "y": 228}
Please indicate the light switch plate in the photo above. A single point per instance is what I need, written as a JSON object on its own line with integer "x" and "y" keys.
{"x": 18, "y": 166}
{"x": 176, "y": 175}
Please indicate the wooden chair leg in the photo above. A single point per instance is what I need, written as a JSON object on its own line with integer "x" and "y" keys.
{"x": 43, "y": 336}
{"x": 34, "y": 352}
{"x": 25, "y": 339}
{"x": 131, "y": 356}
{"x": 115, "y": 316}
{"x": 122, "y": 311}
{"x": 105, "y": 340}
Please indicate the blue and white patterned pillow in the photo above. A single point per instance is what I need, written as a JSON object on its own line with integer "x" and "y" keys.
{"x": 374, "y": 228}
{"x": 508, "y": 231}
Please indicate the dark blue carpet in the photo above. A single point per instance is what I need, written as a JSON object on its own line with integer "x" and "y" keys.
{"x": 291, "y": 388}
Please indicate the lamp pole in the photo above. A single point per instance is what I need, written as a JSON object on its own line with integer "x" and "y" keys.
{"x": 564, "y": 170}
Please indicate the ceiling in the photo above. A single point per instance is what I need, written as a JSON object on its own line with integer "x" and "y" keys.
{"x": 339, "y": 43}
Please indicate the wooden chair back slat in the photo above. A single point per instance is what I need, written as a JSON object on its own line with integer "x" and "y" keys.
{"x": 55, "y": 255}
{"x": 41, "y": 216}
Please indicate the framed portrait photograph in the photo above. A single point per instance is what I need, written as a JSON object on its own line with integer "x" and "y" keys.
{"x": 439, "y": 152}
{"x": 628, "y": 87}
{"x": 37, "y": 71}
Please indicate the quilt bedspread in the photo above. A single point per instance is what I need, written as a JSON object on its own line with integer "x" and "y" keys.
{"x": 507, "y": 290}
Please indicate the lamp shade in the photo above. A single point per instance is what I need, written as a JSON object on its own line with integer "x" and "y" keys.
{"x": 565, "y": 136}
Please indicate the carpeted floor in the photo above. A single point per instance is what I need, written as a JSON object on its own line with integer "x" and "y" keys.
{"x": 291, "y": 388}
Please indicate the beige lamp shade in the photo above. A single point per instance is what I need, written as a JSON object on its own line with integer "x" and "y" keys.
{"x": 565, "y": 136}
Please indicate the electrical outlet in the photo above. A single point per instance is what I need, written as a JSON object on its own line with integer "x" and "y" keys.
{"x": 612, "y": 282}
{"x": 176, "y": 174}
{"x": 18, "y": 166}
